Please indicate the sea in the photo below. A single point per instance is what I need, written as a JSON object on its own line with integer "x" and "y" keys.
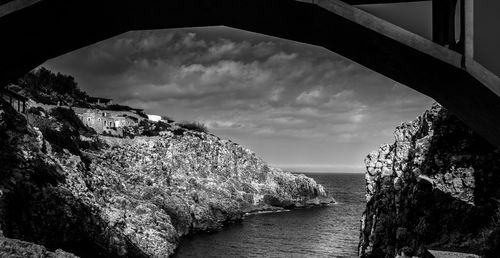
{"x": 331, "y": 231}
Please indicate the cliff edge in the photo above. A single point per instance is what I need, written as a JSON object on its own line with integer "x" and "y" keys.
{"x": 63, "y": 188}
{"x": 435, "y": 187}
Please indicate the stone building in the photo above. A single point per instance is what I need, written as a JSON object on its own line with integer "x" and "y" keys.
{"x": 101, "y": 122}
{"x": 105, "y": 123}
{"x": 17, "y": 101}
{"x": 124, "y": 120}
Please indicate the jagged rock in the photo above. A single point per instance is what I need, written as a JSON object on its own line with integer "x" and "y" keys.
{"x": 435, "y": 186}
{"x": 44, "y": 197}
{"x": 132, "y": 197}
{"x": 196, "y": 183}
{"x": 20, "y": 249}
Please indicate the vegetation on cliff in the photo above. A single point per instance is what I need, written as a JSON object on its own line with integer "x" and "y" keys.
{"x": 44, "y": 86}
{"x": 114, "y": 197}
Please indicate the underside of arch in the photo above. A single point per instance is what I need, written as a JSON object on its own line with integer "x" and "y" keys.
{"x": 49, "y": 28}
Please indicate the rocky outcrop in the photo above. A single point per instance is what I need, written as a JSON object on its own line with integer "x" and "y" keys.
{"x": 14, "y": 248}
{"x": 436, "y": 186}
{"x": 159, "y": 188}
{"x": 44, "y": 197}
{"x": 132, "y": 197}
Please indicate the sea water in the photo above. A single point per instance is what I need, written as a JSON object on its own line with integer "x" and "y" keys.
{"x": 331, "y": 231}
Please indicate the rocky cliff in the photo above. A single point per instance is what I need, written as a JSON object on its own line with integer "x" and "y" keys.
{"x": 111, "y": 197}
{"x": 435, "y": 187}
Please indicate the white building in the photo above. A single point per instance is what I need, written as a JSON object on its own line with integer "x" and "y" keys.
{"x": 154, "y": 118}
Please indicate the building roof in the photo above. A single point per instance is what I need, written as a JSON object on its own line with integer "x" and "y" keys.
{"x": 13, "y": 94}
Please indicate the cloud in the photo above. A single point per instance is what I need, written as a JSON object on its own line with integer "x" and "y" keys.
{"x": 245, "y": 85}
{"x": 310, "y": 97}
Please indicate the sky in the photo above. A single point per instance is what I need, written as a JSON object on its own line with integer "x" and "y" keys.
{"x": 299, "y": 107}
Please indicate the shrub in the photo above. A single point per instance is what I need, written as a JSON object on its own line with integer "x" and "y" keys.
{"x": 179, "y": 131}
{"x": 62, "y": 139}
{"x": 117, "y": 107}
{"x": 167, "y": 118}
{"x": 42, "y": 123}
{"x": 40, "y": 97}
{"x": 44, "y": 86}
{"x": 69, "y": 118}
{"x": 194, "y": 126}
{"x": 39, "y": 111}
{"x": 147, "y": 128}
{"x": 59, "y": 134}
{"x": 141, "y": 114}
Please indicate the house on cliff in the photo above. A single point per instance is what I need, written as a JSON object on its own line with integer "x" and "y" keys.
{"x": 105, "y": 123}
{"x": 17, "y": 101}
{"x": 101, "y": 122}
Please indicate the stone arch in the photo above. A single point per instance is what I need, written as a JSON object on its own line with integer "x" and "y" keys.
{"x": 49, "y": 28}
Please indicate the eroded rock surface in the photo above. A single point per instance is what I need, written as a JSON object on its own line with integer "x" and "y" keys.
{"x": 131, "y": 197}
{"x": 435, "y": 186}
{"x": 14, "y": 248}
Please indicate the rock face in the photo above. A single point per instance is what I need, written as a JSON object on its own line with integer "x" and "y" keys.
{"x": 14, "y": 248}
{"x": 436, "y": 186}
{"x": 131, "y": 197}
{"x": 155, "y": 189}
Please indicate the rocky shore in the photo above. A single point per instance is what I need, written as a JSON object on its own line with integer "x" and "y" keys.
{"x": 112, "y": 197}
{"x": 436, "y": 187}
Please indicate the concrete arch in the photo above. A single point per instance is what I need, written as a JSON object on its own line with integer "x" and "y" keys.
{"x": 44, "y": 29}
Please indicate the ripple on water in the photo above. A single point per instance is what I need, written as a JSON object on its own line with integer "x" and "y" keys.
{"x": 330, "y": 231}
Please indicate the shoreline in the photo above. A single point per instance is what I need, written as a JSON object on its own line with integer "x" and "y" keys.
{"x": 451, "y": 254}
{"x": 259, "y": 210}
